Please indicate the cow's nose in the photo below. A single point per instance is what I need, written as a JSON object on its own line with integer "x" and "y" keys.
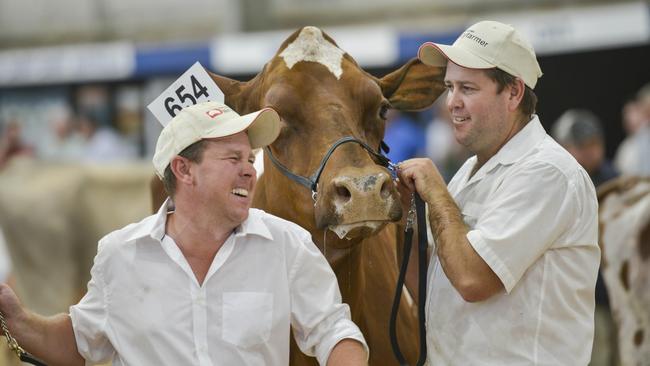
{"x": 362, "y": 188}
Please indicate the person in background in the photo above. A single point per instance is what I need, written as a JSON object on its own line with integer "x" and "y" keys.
{"x": 64, "y": 142}
{"x": 633, "y": 154}
{"x": 512, "y": 276}
{"x": 102, "y": 143}
{"x": 11, "y": 143}
{"x": 579, "y": 131}
{"x": 207, "y": 280}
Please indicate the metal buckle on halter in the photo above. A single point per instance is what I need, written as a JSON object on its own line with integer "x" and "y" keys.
{"x": 392, "y": 169}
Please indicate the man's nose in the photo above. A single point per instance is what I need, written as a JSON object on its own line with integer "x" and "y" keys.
{"x": 453, "y": 100}
{"x": 249, "y": 169}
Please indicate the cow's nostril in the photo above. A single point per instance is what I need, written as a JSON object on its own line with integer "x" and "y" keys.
{"x": 385, "y": 189}
{"x": 342, "y": 193}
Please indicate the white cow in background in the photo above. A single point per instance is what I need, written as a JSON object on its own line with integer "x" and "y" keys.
{"x": 52, "y": 216}
{"x": 625, "y": 244}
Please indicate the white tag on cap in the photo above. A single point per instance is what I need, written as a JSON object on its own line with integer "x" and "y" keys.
{"x": 194, "y": 86}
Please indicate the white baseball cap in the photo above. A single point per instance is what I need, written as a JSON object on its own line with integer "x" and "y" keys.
{"x": 486, "y": 45}
{"x": 210, "y": 120}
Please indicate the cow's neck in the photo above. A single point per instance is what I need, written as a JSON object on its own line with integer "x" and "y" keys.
{"x": 345, "y": 259}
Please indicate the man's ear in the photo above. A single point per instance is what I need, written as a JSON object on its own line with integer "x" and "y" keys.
{"x": 180, "y": 167}
{"x": 516, "y": 93}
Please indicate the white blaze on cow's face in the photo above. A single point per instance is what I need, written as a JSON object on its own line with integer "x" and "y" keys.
{"x": 310, "y": 45}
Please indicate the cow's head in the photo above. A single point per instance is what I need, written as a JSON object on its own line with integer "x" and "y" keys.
{"x": 322, "y": 96}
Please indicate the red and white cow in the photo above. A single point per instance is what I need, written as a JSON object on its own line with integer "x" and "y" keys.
{"x": 322, "y": 95}
{"x": 625, "y": 244}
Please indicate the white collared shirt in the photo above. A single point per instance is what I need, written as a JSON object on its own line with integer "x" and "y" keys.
{"x": 144, "y": 305}
{"x": 532, "y": 214}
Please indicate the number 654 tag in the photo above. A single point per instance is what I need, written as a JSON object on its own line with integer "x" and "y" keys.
{"x": 194, "y": 86}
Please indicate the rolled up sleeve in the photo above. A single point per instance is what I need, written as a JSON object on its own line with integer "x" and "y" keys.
{"x": 318, "y": 317}
{"x": 89, "y": 320}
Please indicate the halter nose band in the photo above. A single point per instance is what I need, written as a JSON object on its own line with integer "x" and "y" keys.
{"x": 312, "y": 182}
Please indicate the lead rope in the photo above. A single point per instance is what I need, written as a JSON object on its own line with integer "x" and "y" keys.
{"x": 15, "y": 347}
{"x": 417, "y": 209}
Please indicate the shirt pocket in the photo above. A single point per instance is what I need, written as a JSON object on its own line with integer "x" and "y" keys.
{"x": 247, "y": 317}
{"x": 471, "y": 212}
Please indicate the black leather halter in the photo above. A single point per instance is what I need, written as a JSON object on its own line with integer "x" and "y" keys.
{"x": 312, "y": 181}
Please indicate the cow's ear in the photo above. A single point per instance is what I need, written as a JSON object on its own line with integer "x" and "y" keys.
{"x": 228, "y": 86}
{"x": 413, "y": 86}
{"x": 241, "y": 96}
{"x": 232, "y": 90}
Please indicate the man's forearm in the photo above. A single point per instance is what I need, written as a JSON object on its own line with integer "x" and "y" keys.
{"x": 464, "y": 267}
{"x": 50, "y": 339}
{"x": 347, "y": 352}
{"x": 449, "y": 232}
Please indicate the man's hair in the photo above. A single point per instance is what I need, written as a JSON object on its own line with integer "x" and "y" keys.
{"x": 192, "y": 153}
{"x": 502, "y": 78}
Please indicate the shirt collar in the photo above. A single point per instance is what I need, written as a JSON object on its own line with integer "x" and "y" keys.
{"x": 517, "y": 147}
{"x": 154, "y": 226}
{"x": 254, "y": 225}
{"x": 521, "y": 143}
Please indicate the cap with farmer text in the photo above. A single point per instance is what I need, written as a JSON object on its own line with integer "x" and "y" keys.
{"x": 485, "y": 45}
{"x": 210, "y": 120}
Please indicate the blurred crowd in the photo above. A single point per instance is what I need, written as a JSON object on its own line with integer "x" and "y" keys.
{"x": 71, "y": 137}
{"x": 87, "y": 136}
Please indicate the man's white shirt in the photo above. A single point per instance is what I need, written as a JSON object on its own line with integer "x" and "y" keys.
{"x": 532, "y": 214}
{"x": 144, "y": 305}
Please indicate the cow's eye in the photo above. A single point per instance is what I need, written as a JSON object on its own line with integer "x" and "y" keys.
{"x": 383, "y": 110}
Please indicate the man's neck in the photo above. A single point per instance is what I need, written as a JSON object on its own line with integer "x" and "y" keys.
{"x": 199, "y": 238}
{"x": 482, "y": 158}
{"x": 194, "y": 230}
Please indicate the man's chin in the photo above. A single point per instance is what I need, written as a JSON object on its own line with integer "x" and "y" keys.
{"x": 241, "y": 215}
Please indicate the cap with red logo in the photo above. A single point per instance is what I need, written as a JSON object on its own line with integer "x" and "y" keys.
{"x": 211, "y": 120}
